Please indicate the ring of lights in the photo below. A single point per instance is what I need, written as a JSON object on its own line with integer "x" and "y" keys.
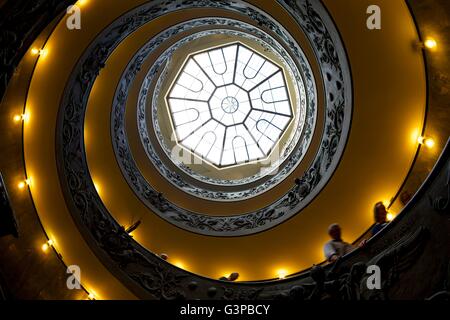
{"x": 98, "y": 217}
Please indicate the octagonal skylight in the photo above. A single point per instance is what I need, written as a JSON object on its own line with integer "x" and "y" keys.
{"x": 229, "y": 105}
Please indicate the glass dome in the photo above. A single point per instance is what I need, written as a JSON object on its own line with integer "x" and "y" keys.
{"x": 229, "y": 105}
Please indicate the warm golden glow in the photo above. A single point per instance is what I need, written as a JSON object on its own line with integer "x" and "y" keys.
{"x": 43, "y": 53}
{"x": 390, "y": 216}
{"x": 23, "y": 184}
{"x": 282, "y": 273}
{"x": 21, "y": 117}
{"x": 179, "y": 264}
{"x": 429, "y": 143}
{"x": 97, "y": 187}
{"x": 45, "y": 247}
{"x": 40, "y": 52}
{"x": 81, "y": 2}
{"x": 91, "y": 296}
{"x": 430, "y": 43}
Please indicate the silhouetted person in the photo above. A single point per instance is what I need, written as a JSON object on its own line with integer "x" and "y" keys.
{"x": 380, "y": 214}
{"x": 336, "y": 248}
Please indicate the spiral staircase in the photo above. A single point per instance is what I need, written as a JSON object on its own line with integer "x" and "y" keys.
{"x": 289, "y": 115}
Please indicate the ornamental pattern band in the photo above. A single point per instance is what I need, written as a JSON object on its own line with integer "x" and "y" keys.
{"x": 290, "y": 155}
{"x": 78, "y": 185}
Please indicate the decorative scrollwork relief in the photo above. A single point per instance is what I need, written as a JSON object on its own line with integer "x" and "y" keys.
{"x": 338, "y": 108}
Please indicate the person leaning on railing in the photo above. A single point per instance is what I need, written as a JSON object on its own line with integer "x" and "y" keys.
{"x": 336, "y": 247}
{"x": 380, "y": 216}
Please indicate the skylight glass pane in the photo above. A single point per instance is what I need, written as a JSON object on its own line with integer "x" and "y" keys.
{"x": 229, "y": 105}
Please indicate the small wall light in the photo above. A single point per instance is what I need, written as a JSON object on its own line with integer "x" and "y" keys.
{"x": 21, "y": 117}
{"x": 390, "y": 216}
{"x": 40, "y": 52}
{"x": 428, "y": 142}
{"x": 47, "y": 245}
{"x": 22, "y": 184}
{"x": 430, "y": 43}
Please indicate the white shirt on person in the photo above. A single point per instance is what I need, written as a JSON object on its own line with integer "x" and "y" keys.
{"x": 336, "y": 247}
